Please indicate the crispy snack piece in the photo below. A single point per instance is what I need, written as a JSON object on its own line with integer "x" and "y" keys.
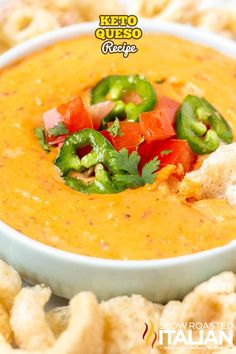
{"x": 216, "y": 177}
{"x": 21, "y": 23}
{"x": 212, "y": 301}
{"x": 125, "y": 319}
{"x": 58, "y": 319}
{"x": 5, "y": 327}
{"x": 10, "y": 284}
{"x": 83, "y": 335}
{"x": 171, "y": 312}
{"x": 148, "y": 8}
{"x": 213, "y": 20}
{"x": 24, "y": 19}
{"x": 180, "y": 10}
{"x": 199, "y": 13}
{"x": 222, "y": 284}
{"x": 171, "y": 10}
{"x": 28, "y": 320}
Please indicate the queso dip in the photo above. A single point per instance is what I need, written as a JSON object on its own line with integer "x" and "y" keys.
{"x": 149, "y": 222}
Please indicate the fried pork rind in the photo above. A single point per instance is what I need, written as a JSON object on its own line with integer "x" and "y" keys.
{"x": 180, "y": 10}
{"x": 5, "y": 327}
{"x": 10, "y": 284}
{"x": 212, "y": 301}
{"x": 28, "y": 319}
{"x": 213, "y": 20}
{"x": 223, "y": 284}
{"x": 216, "y": 178}
{"x": 79, "y": 328}
{"x": 58, "y": 319}
{"x": 125, "y": 319}
{"x": 83, "y": 335}
{"x": 25, "y": 22}
{"x": 24, "y": 19}
{"x": 200, "y": 13}
{"x": 148, "y": 8}
{"x": 171, "y": 10}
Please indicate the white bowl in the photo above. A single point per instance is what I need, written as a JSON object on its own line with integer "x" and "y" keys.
{"x": 67, "y": 273}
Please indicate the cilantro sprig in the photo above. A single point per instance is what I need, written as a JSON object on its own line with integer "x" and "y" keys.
{"x": 40, "y": 135}
{"x": 114, "y": 129}
{"x": 129, "y": 175}
{"x": 58, "y": 130}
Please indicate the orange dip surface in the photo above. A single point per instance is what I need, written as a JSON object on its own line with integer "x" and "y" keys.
{"x": 146, "y": 223}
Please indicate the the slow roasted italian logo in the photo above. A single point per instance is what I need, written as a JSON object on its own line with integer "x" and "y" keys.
{"x": 194, "y": 335}
{"x": 149, "y": 334}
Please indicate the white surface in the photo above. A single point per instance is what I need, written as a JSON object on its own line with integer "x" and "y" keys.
{"x": 69, "y": 273}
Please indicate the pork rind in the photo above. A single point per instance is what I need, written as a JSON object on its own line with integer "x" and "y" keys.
{"x": 5, "y": 327}
{"x": 21, "y": 23}
{"x": 148, "y": 8}
{"x": 83, "y": 335}
{"x": 125, "y": 319}
{"x": 115, "y": 326}
{"x": 216, "y": 178}
{"x": 180, "y": 10}
{"x": 10, "y": 284}
{"x": 24, "y": 19}
{"x": 58, "y": 319}
{"x": 212, "y": 301}
{"x": 28, "y": 320}
{"x": 171, "y": 10}
{"x": 201, "y": 13}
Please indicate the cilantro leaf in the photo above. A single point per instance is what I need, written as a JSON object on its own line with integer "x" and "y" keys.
{"x": 148, "y": 170}
{"x": 114, "y": 129}
{"x": 126, "y": 162}
{"x": 165, "y": 152}
{"x": 129, "y": 175}
{"x": 58, "y": 130}
{"x": 40, "y": 135}
{"x": 130, "y": 181}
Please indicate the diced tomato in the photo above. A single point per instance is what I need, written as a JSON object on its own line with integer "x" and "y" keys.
{"x": 73, "y": 114}
{"x": 98, "y": 111}
{"x": 168, "y": 107}
{"x": 155, "y": 125}
{"x": 106, "y": 135}
{"x": 131, "y": 136}
{"x": 56, "y": 140}
{"x": 51, "y": 118}
{"x": 158, "y": 124}
{"x": 169, "y": 152}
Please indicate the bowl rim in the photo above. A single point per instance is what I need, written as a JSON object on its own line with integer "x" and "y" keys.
{"x": 225, "y": 46}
